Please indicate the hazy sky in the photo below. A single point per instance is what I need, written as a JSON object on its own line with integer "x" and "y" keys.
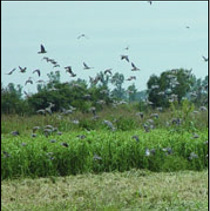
{"x": 156, "y": 34}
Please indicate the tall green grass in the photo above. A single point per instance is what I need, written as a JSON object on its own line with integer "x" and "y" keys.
{"x": 118, "y": 151}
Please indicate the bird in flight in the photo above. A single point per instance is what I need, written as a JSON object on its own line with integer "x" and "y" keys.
{"x": 38, "y": 72}
{"x": 82, "y": 35}
{"x": 29, "y": 81}
{"x": 108, "y": 71}
{"x": 56, "y": 65}
{"x": 42, "y": 49}
{"x": 22, "y": 70}
{"x": 69, "y": 70}
{"x": 10, "y": 73}
{"x": 86, "y": 67}
{"x": 187, "y": 27}
{"x": 150, "y": 2}
{"x": 205, "y": 59}
{"x": 125, "y": 57}
{"x": 134, "y": 67}
{"x": 131, "y": 78}
{"x": 127, "y": 48}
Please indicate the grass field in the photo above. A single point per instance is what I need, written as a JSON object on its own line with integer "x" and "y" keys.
{"x": 89, "y": 166}
{"x": 130, "y": 190}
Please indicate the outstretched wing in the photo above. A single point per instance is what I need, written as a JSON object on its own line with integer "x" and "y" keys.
{"x": 85, "y": 65}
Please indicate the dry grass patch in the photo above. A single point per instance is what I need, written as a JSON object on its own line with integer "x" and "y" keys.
{"x": 132, "y": 190}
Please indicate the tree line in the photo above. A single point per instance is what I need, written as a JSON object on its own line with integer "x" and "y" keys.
{"x": 171, "y": 85}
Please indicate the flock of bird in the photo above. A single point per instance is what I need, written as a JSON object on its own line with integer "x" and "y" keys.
{"x": 69, "y": 70}
{"x": 148, "y": 125}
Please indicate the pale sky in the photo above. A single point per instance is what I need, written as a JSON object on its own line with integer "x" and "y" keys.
{"x": 156, "y": 34}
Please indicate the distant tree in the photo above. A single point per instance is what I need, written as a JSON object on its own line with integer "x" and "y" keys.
{"x": 11, "y": 100}
{"x": 132, "y": 93}
{"x": 117, "y": 80}
{"x": 176, "y": 82}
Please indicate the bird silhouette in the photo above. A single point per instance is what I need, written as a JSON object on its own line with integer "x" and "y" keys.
{"x": 56, "y": 65}
{"x": 131, "y": 78}
{"x": 42, "y": 49}
{"x": 187, "y": 27}
{"x": 69, "y": 70}
{"x": 22, "y": 70}
{"x": 150, "y": 2}
{"x": 125, "y": 57}
{"x": 38, "y": 72}
{"x": 10, "y": 73}
{"x": 86, "y": 67}
{"x": 134, "y": 67}
{"x": 127, "y": 48}
{"x": 29, "y": 81}
{"x": 108, "y": 71}
{"x": 205, "y": 59}
{"x": 82, "y": 35}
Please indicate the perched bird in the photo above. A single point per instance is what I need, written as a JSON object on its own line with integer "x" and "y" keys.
{"x": 42, "y": 49}
{"x": 125, "y": 57}
{"x": 192, "y": 156}
{"x": 35, "y": 128}
{"x": 168, "y": 150}
{"x": 15, "y": 133}
{"x": 134, "y": 67}
{"x": 10, "y": 73}
{"x": 96, "y": 157}
{"x": 141, "y": 114}
{"x": 22, "y": 70}
{"x": 147, "y": 152}
{"x": 109, "y": 124}
{"x": 205, "y": 59}
{"x": 52, "y": 141}
{"x": 6, "y": 154}
{"x": 195, "y": 135}
{"x": 38, "y": 72}
{"x": 64, "y": 144}
{"x": 136, "y": 138}
{"x": 86, "y": 67}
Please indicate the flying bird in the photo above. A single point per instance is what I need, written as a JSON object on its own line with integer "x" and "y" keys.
{"x": 56, "y": 65}
{"x": 108, "y": 71}
{"x": 10, "y": 73}
{"x": 69, "y": 70}
{"x": 38, "y": 72}
{"x": 131, "y": 78}
{"x": 29, "y": 81}
{"x": 42, "y": 49}
{"x": 127, "y": 48}
{"x": 22, "y": 70}
{"x": 82, "y": 35}
{"x": 134, "y": 67}
{"x": 150, "y": 2}
{"x": 40, "y": 81}
{"x": 86, "y": 67}
{"x": 205, "y": 59}
{"x": 187, "y": 27}
{"x": 125, "y": 57}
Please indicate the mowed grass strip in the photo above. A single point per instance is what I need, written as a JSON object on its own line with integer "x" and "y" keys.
{"x": 130, "y": 190}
